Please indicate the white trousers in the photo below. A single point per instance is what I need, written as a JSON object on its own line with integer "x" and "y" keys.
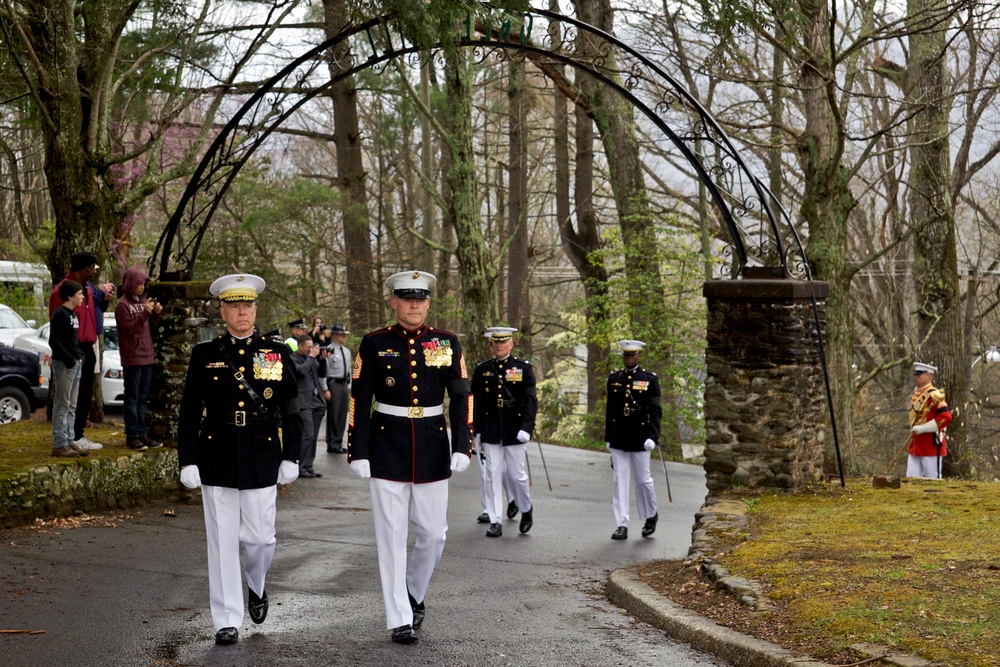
{"x": 922, "y": 466}
{"x": 484, "y": 491}
{"x": 506, "y": 469}
{"x": 636, "y": 465}
{"x": 395, "y": 505}
{"x": 237, "y": 520}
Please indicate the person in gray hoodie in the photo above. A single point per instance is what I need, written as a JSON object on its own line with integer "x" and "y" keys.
{"x": 135, "y": 314}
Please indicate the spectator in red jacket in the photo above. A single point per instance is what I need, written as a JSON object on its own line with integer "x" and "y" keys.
{"x": 135, "y": 313}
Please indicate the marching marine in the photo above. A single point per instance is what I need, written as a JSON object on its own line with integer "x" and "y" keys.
{"x": 929, "y": 415}
{"x": 505, "y": 410}
{"x": 239, "y": 388}
{"x": 398, "y": 439}
{"x": 631, "y": 430}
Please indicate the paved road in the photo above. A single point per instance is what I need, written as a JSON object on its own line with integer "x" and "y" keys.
{"x": 136, "y": 592}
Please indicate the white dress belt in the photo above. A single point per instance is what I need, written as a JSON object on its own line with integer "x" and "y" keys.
{"x": 412, "y": 411}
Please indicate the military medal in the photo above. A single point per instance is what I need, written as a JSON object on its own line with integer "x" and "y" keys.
{"x": 437, "y": 353}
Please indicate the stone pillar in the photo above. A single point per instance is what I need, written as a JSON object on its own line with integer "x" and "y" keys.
{"x": 188, "y": 318}
{"x": 765, "y": 398}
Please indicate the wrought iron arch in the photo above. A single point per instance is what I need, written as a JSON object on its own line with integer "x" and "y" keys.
{"x": 760, "y": 230}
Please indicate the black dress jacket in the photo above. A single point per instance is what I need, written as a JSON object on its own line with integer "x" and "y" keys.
{"x": 409, "y": 371}
{"x": 505, "y": 400}
{"x": 223, "y": 430}
{"x": 633, "y": 410}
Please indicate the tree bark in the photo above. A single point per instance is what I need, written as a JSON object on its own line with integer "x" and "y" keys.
{"x": 518, "y": 301}
{"x": 363, "y": 292}
{"x": 932, "y": 212}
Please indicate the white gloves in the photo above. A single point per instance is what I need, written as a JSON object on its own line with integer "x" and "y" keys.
{"x": 459, "y": 462}
{"x": 523, "y": 436}
{"x": 361, "y": 468}
{"x": 929, "y": 427}
{"x": 288, "y": 472}
{"x": 190, "y": 477}
{"x": 607, "y": 446}
{"x": 648, "y": 445}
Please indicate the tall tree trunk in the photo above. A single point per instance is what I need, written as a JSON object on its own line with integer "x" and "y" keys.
{"x": 427, "y": 227}
{"x": 613, "y": 116}
{"x": 464, "y": 204}
{"x": 935, "y": 261}
{"x": 826, "y": 206}
{"x": 518, "y": 308}
{"x": 362, "y": 290}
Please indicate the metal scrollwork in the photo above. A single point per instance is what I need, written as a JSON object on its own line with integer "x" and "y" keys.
{"x": 758, "y": 227}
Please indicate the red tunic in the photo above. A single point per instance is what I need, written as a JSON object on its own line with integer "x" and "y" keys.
{"x": 928, "y": 404}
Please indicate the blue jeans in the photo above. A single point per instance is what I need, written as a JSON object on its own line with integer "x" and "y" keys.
{"x": 66, "y": 388}
{"x": 136, "y": 390}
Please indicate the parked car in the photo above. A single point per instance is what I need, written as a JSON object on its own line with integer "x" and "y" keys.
{"x": 21, "y": 388}
{"x": 13, "y": 325}
{"x": 112, "y": 379}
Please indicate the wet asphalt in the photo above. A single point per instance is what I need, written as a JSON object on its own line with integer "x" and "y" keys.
{"x": 131, "y": 588}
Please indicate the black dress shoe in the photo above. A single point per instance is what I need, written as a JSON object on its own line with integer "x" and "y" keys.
{"x": 483, "y": 518}
{"x": 511, "y": 509}
{"x": 650, "y": 526}
{"x": 227, "y": 636}
{"x": 419, "y": 611}
{"x": 306, "y": 474}
{"x": 621, "y": 533}
{"x": 316, "y": 474}
{"x": 526, "y": 521}
{"x": 339, "y": 450}
{"x": 257, "y": 607}
{"x": 495, "y": 530}
{"x": 404, "y": 635}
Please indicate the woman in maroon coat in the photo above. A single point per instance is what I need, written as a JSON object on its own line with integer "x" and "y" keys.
{"x": 134, "y": 314}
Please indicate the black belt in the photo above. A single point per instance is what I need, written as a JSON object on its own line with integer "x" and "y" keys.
{"x": 242, "y": 418}
{"x": 339, "y": 380}
{"x": 509, "y": 403}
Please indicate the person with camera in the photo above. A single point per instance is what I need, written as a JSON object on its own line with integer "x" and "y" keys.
{"x": 135, "y": 314}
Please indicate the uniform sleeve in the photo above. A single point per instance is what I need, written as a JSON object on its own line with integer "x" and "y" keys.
{"x": 655, "y": 409}
{"x": 941, "y": 414}
{"x": 530, "y": 400}
{"x": 608, "y": 425}
{"x": 291, "y": 420}
{"x": 461, "y": 408}
{"x": 192, "y": 406}
{"x": 359, "y": 414}
{"x": 478, "y": 384}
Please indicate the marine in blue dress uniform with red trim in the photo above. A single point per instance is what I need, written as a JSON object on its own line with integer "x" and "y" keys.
{"x": 239, "y": 389}
{"x": 398, "y": 439}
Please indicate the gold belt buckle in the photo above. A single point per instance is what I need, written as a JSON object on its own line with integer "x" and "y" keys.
{"x": 626, "y": 411}
{"x": 415, "y": 412}
{"x": 499, "y": 402}
{"x": 241, "y": 418}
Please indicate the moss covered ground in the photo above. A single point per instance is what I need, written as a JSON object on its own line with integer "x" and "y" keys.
{"x": 28, "y": 444}
{"x": 916, "y": 569}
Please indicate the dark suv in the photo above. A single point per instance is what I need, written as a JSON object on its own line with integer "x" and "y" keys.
{"x": 21, "y": 390}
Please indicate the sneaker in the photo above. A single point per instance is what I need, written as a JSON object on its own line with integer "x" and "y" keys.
{"x": 87, "y": 443}
{"x": 65, "y": 452}
{"x": 150, "y": 443}
{"x": 136, "y": 444}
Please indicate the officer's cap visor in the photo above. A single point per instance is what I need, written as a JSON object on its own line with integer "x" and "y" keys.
{"x": 411, "y": 293}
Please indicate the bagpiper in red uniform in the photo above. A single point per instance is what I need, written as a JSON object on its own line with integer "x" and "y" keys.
{"x": 929, "y": 416}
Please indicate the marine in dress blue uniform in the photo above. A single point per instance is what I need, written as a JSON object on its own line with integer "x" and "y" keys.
{"x": 504, "y": 418}
{"x": 398, "y": 437}
{"x": 631, "y": 431}
{"x": 239, "y": 389}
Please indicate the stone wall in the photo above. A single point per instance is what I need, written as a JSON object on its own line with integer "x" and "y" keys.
{"x": 765, "y": 400}
{"x": 187, "y": 313}
{"x": 88, "y": 485}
